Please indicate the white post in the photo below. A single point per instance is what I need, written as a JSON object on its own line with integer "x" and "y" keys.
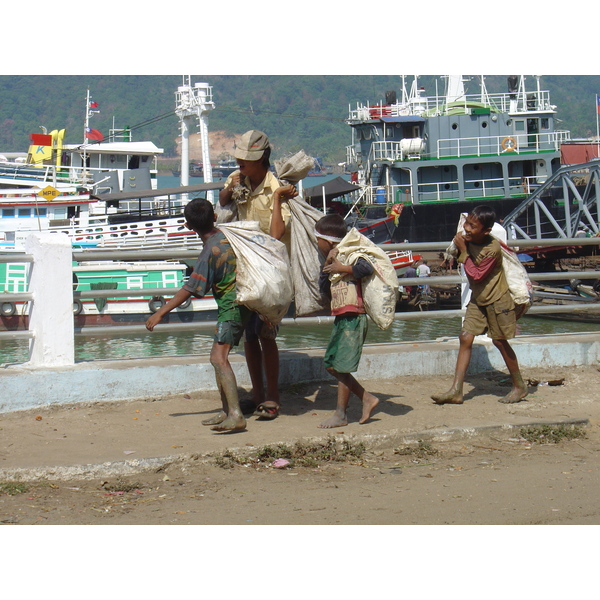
{"x": 51, "y": 312}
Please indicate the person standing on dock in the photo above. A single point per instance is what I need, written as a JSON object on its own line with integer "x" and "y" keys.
{"x": 259, "y": 196}
{"x": 350, "y": 326}
{"x": 215, "y": 270}
{"x": 491, "y": 308}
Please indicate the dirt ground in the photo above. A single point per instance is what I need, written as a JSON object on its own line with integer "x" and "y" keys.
{"x": 498, "y": 478}
{"x": 491, "y": 480}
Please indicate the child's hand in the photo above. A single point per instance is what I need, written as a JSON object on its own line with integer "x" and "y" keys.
{"x": 460, "y": 242}
{"x": 152, "y": 321}
{"x": 285, "y": 192}
{"x": 333, "y": 265}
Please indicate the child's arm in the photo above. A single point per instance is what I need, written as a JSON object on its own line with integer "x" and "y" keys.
{"x": 277, "y": 228}
{"x": 179, "y": 298}
{"x": 226, "y": 193}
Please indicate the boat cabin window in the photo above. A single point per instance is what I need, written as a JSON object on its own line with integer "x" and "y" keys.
{"x": 135, "y": 283}
{"x": 40, "y": 211}
{"x": 134, "y": 162}
{"x": 24, "y": 212}
{"x": 8, "y": 213}
{"x": 519, "y": 125}
{"x": 545, "y": 123}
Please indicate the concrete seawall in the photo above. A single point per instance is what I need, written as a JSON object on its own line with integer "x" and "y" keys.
{"x": 24, "y": 387}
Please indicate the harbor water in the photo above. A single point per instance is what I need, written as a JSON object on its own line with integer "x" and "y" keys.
{"x": 146, "y": 344}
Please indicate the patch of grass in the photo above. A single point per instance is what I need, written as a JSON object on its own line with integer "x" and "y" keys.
{"x": 301, "y": 454}
{"x": 13, "y": 488}
{"x": 421, "y": 450}
{"x": 551, "y": 434}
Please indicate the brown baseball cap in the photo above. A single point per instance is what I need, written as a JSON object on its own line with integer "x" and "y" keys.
{"x": 251, "y": 145}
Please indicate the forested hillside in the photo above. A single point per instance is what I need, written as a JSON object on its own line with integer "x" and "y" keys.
{"x": 297, "y": 112}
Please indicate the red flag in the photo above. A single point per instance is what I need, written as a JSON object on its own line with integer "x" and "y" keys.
{"x": 93, "y": 134}
{"x": 598, "y": 104}
{"x": 40, "y": 139}
{"x": 93, "y": 104}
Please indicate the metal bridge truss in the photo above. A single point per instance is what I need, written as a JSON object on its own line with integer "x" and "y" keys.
{"x": 566, "y": 202}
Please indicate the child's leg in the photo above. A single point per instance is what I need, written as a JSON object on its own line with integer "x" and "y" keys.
{"x": 455, "y": 394}
{"x": 260, "y": 348}
{"x": 230, "y": 418}
{"x": 347, "y": 384}
{"x": 519, "y": 389}
{"x": 254, "y": 362}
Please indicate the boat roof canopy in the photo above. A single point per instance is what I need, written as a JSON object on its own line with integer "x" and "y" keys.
{"x": 133, "y": 195}
{"x": 116, "y": 148}
{"x": 332, "y": 189}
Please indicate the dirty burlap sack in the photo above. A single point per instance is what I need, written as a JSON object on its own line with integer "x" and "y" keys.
{"x": 263, "y": 279}
{"x": 305, "y": 259}
{"x": 380, "y": 289}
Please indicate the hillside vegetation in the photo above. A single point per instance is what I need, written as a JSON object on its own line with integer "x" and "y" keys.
{"x": 297, "y": 112}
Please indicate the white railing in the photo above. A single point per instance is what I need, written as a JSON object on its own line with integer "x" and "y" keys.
{"x": 51, "y": 324}
{"x": 500, "y": 145}
{"x": 523, "y": 103}
{"x": 92, "y": 177}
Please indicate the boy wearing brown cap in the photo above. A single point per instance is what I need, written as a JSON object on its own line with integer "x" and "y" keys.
{"x": 260, "y": 197}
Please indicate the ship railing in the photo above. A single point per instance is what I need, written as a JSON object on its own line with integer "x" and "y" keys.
{"x": 449, "y": 190}
{"x": 500, "y": 145}
{"x": 98, "y": 178}
{"x": 52, "y": 332}
{"x": 394, "y": 151}
{"x": 523, "y": 102}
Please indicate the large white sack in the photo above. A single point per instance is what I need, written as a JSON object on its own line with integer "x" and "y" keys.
{"x": 380, "y": 289}
{"x": 264, "y": 282}
{"x": 306, "y": 259}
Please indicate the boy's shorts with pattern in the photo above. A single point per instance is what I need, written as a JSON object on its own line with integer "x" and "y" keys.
{"x": 497, "y": 319}
{"x": 345, "y": 345}
{"x": 230, "y": 332}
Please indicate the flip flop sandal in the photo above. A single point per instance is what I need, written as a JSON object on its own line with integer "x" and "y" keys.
{"x": 266, "y": 412}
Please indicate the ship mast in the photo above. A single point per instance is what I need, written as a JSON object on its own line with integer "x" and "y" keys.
{"x": 88, "y": 113}
{"x": 194, "y": 102}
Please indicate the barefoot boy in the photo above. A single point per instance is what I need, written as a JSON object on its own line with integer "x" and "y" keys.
{"x": 350, "y": 326}
{"x": 215, "y": 269}
{"x": 491, "y": 307}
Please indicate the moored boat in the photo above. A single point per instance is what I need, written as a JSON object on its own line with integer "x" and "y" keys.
{"x": 116, "y": 310}
{"x": 438, "y": 155}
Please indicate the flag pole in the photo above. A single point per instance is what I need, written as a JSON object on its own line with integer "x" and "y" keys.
{"x": 597, "y": 127}
{"x": 85, "y": 128}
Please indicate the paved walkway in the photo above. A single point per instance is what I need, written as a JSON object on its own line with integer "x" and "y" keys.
{"x": 96, "y": 439}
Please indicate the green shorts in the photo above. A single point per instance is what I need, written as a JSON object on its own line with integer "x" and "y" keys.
{"x": 230, "y": 332}
{"x": 497, "y": 319}
{"x": 346, "y": 342}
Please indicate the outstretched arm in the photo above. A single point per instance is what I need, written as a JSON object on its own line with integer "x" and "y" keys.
{"x": 179, "y": 298}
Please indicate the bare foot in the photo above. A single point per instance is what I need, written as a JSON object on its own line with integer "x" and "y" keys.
{"x": 336, "y": 420}
{"x": 516, "y": 395}
{"x": 231, "y": 423}
{"x": 450, "y": 397}
{"x": 218, "y": 418}
{"x": 369, "y": 403}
